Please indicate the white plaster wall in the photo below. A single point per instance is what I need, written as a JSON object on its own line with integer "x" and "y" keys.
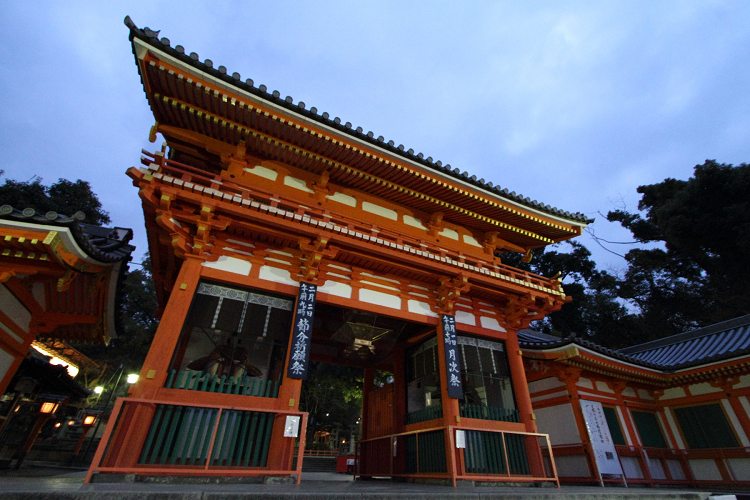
{"x": 378, "y": 210}
{"x": 603, "y": 387}
{"x": 417, "y": 307}
{"x": 673, "y": 393}
{"x": 744, "y": 382}
{"x": 675, "y": 469}
{"x": 295, "y": 183}
{"x": 6, "y": 359}
{"x": 735, "y": 422}
{"x": 230, "y": 265}
{"x": 449, "y": 233}
{"x": 631, "y": 468}
{"x": 14, "y": 309}
{"x": 544, "y": 384}
{"x": 655, "y": 468}
{"x": 705, "y": 469}
{"x": 37, "y": 290}
{"x": 572, "y": 466}
{"x": 584, "y": 382}
{"x": 379, "y": 298}
{"x": 703, "y": 388}
{"x": 643, "y": 394}
{"x": 336, "y": 288}
{"x": 276, "y": 275}
{"x": 673, "y": 427}
{"x": 10, "y": 332}
{"x": 740, "y": 468}
{"x": 491, "y": 324}
{"x": 342, "y": 198}
{"x": 264, "y": 172}
{"x": 414, "y": 222}
{"x": 465, "y": 318}
{"x": 470, "y": 240}
{"x": 559, "y": 422}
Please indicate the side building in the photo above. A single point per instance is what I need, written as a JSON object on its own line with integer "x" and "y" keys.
{"x": 677, "y": 409}
{"x": 58, "y": 283}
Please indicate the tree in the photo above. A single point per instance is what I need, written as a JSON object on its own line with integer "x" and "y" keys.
{"x": 332, "y": 395}
{"x": 698, "y": 274}
{"x": 595, "y": 312}
{"x": 64, "y": 197}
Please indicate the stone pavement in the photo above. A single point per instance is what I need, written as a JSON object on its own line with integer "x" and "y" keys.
{"x": 43, "y": 483}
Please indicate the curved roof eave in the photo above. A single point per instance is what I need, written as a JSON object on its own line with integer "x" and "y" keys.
{"x": 233, "y": 83}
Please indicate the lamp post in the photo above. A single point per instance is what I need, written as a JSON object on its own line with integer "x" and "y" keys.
{"x": 89, "y": 418}
{"x": 49, "y": 405}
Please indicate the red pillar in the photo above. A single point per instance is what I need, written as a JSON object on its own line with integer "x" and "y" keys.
{"x": 520, "y": 386}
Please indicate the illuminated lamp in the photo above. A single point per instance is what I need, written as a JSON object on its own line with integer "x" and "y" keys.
{"x": 89, "y": 420}
{"x": 49, "y": 407}
{"x": 98, "y": 389}
{"x": 132, "y": 378}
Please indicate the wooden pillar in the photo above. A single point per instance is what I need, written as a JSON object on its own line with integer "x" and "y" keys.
{"x": 280, "y": 453}
{"x": 399, "y": 389}
{"x": 154, "y": 372}
{"x": 367, "y": 386}
{"x": 520, "y": 386}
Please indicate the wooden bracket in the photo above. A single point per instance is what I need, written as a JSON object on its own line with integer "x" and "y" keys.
{"x": 449, "y": 291}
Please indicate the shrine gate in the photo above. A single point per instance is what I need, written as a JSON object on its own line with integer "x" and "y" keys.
{"x": 278, "y": 236}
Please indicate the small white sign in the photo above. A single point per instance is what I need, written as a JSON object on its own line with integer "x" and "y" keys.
{"x": 460, "y": 438}
{"x": 291, "y": 429}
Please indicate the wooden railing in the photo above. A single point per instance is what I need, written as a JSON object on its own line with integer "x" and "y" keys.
{"x": 488, "y": 455}
{"x": 661, "y": 466}
{"x": 194, "y": 440}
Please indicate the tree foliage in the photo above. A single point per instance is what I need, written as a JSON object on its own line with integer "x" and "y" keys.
{"x": 332, "y": 395}
{"x": 595, "y": 312}
{"x": 698, "y": 274}
{"x": 64, "y": 197}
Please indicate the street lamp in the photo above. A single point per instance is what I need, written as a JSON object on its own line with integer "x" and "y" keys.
{"x": 50, "y": 404}
{"x": 89, "y": 418}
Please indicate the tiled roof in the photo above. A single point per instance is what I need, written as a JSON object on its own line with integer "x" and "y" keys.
{"x": 724, "y": 340}
{"x": 101, "y": 243}
{"x": 151, "y": 37}
{"x": 533, "y": 340}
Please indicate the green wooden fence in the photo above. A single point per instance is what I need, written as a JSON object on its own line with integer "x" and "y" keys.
{"x": 425, "y": 414}
{"x": 489, "y": 413}
{"x": 485, "y": 453}
{"x": 199, "y": 381}
{"x": 181, "y": 435}
{"x": 425, "y": 452}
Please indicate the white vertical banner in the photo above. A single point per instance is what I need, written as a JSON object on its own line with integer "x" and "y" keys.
{"x": 601, "y": 440}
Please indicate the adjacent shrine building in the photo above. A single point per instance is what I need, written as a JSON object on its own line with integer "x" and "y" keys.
{"x": 279, "y": 235}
